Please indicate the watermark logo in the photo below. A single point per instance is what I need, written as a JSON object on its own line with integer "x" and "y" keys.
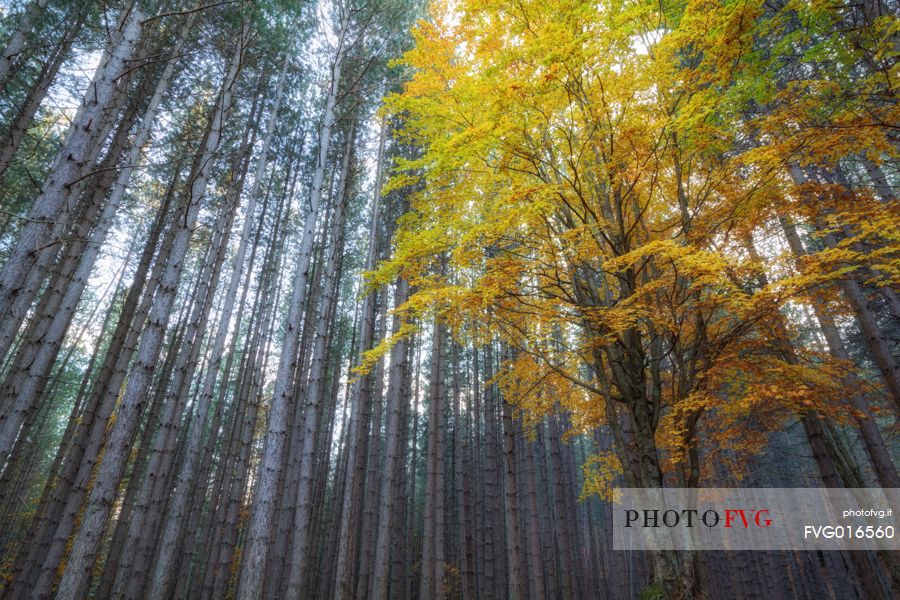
{"x": 755, "y": 519}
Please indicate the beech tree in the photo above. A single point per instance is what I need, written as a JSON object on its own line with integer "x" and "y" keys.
{"x": 382, "y": 298}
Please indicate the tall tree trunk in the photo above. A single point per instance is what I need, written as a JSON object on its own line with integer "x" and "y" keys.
{"x": 56, "y": 201}
{"x": 16, "y": 42}
{"x": 316, "y": 389}
{"x": 248, "y": 400}
{"x": 411, "y": 525}
{"x": 258, "y": 535}
{"x": 390, "y": 495}
{"x": 511, "y": 507}
{"x": 878, "y": 348}
{"x": 357, "y": 431}
{"x": 55, "y": 520}
{"x": 535, "y": 564}
{"x": 76, "y": 576}
{"x": 29, "y": 107}
{"x": 160, "y": 463}
{"x": 173, "y": 530}
{"x": 562, "y": 525}
{"x": 84, "y": 256}
{"x": 872, "y": 440}
{"x": 432, "y": 580}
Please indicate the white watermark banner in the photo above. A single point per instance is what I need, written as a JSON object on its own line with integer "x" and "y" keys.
{"x": 756, "y": 519}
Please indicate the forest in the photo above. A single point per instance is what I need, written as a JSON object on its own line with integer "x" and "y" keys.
{"x": 370, "y": 299}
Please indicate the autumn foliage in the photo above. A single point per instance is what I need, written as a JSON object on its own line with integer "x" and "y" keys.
{"x": 602, "y": 179}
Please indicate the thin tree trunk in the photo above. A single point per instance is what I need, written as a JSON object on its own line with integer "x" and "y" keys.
{"x": 414, "y": 466}
{"x": 160, "y": 463}
{"x": 248, "y": 398}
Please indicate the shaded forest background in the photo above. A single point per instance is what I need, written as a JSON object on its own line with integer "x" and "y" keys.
{"x": 377, "y": 299}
